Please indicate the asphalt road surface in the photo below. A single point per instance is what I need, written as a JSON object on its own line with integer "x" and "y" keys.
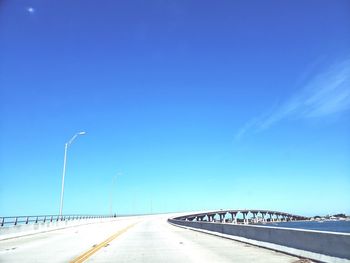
{"x": 134, "y": 239}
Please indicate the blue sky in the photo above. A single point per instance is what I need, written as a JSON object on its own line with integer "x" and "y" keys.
{"x": 189, "y": 105}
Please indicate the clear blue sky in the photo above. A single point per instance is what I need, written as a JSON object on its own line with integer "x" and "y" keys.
{"x": 191, "y": 104}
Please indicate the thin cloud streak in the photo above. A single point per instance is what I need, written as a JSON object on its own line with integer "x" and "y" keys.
{"x": 30, "y": 10}
{"x": 325, "y": 94}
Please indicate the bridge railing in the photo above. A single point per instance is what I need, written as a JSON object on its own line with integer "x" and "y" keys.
{"x": 25, "y": 220}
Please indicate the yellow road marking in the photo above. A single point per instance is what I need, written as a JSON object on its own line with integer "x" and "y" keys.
{"x": 93, "y": 250}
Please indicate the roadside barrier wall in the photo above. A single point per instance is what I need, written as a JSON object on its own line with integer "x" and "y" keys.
{"x": 23, "y": 229}
{"x": 330, "y": 244}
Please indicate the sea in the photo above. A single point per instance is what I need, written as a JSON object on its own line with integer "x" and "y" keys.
{"x": 332, "y": 226}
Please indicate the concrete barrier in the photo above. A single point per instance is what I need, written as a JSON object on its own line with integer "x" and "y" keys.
{"x": 317, "y": 245}
{"x": 30, "y": 229}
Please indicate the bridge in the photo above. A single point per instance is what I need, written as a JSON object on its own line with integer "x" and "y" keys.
{"x": 211, "y": 236}
{"x": 247, "y": 216}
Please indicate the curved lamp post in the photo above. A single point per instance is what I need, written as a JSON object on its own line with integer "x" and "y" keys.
{"x": 64, "y": 165}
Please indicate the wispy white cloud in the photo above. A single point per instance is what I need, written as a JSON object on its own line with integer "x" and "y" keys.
{"x": 324, "y": 94}
{"x": 30, "y": 10}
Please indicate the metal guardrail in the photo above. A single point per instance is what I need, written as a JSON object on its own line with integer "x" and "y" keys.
{"x": 25, "y": 220}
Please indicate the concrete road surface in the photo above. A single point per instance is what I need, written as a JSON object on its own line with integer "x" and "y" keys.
{"x": 134, "y": 239}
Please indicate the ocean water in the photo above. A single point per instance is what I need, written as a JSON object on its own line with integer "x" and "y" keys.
{"x": 333, "y": 226}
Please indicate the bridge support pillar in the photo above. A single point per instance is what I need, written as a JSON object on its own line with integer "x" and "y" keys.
{"x": 245, "y": 219}
{"x": 222, "y": 217}
{"x": 234, "y": 218}
{"x": 255, "y": 220}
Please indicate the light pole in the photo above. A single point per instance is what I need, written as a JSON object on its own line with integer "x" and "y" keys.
{"x": 67, "y": 144}
{"x": 111, "y": 196}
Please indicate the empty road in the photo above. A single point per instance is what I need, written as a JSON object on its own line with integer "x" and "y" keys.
{"x": 134, "y": 239}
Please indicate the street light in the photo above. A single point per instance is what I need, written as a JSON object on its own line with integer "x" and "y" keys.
{"x": 67, "y": 144}
{"x": 111, "y": 196}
